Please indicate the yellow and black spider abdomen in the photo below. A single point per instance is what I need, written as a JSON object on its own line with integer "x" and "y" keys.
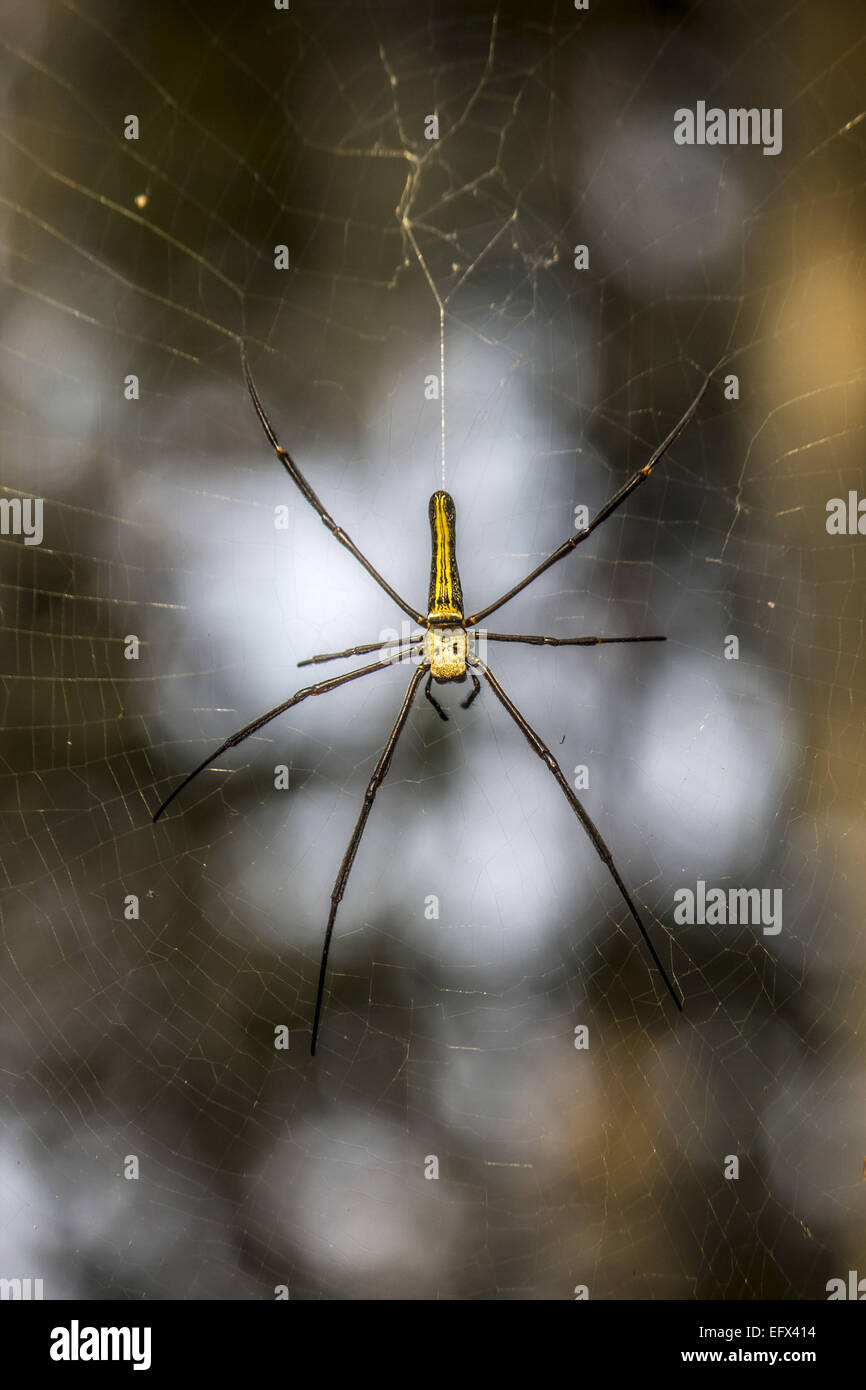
{"x": 445, "y": 600}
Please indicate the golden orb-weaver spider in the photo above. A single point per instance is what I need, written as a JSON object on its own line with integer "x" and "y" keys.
{"x": 444, "y": 654}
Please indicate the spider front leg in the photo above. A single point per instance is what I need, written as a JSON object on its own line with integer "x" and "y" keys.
{"x": 540, "y": 748}
{"x": 379, "y": 774}
{"x": 321, "y": 688}
{"x": 428, "y": 691}
{"x": 464, "y": 704}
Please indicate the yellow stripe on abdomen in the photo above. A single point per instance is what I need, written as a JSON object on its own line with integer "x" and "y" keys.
{"x": 445, "y": 600}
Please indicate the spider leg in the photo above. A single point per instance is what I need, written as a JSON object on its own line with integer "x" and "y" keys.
{"x": 297, "y": 477}
{"x": 567, "y": 546}
{"x": 476, "y": 690}
{"x": 361, "y": 651}
{"x": 564, "y": 641}
{"x": 428, "y": 691}
{"x": 544, "y": 753}
{"x": 321, "y": 689}
{"x": 379, "y": 774}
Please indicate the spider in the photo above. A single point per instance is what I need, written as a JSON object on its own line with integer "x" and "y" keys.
{"x": 443, "y": 653}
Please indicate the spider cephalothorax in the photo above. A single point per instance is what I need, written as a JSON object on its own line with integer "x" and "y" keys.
{"x": 445, "y": 648}
{"x": 443, "y": 652}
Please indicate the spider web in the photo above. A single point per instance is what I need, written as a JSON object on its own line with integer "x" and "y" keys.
{"x": 451, "y": 1037}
